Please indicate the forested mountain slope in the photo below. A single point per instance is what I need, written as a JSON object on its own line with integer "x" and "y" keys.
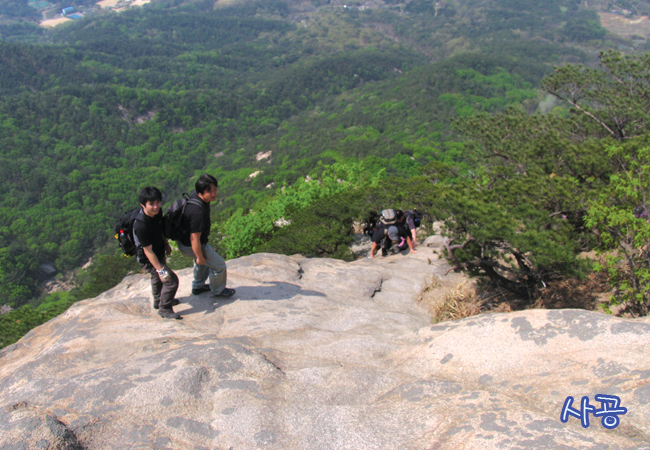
{"x": 154, "y": 96}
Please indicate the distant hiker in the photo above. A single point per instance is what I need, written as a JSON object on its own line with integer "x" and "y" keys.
{"x": 151, "y": 248}
{"x": 371, "y": 223}
{"x": 194, "y": 243}
{"x": 410, "y": 219}
{"x": 389, "y": 231}
{"x": 640, "y": 212}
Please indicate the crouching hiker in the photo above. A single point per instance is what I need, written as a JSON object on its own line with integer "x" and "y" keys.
{"x": 151, "y": 248}
{"x": 387, "y": 235}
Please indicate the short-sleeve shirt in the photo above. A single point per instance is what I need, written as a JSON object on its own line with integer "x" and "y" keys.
{"x": 410, "y": 222}
{"x": 380, "y": 232}
{"x": 196, "y": 219}
{"x": 148, "y": 231}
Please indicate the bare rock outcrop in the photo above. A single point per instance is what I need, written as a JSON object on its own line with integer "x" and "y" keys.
{"x": 319, "y": 354}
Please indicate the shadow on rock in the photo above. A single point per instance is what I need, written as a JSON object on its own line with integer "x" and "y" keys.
{"x": 272, "y": 290}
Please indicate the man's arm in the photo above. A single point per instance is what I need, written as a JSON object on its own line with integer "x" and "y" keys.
{"x": 151, "y": 256}
{"x": 410, "y": 243}
{"x": 155, "y": 262}
{"x": 195, "y": 240}
{"x": 411, "y": 226}
{"x": 373, "y": 250}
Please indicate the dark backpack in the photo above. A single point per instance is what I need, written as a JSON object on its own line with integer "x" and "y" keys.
{"x": 417, "y": 217}
{"x": 124, "y": 231}
{"x": 173, "y": 219}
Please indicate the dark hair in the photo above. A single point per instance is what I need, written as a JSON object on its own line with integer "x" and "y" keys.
{"x": 149, "y": 194}
{"x": 204, "y": 182}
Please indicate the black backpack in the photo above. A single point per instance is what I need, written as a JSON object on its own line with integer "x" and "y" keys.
{"x": 417, "y": 217}
{"x": 124, "y": 231}
{"x": 173, "y": 219}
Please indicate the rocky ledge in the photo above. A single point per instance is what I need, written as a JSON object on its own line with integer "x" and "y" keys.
{"x": 320, "y": 354}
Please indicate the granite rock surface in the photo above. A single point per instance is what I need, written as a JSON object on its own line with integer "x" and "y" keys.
{"x": 320, "y": 354}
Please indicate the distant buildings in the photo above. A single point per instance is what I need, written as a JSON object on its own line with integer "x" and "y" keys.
{"x": 622, "y": 12}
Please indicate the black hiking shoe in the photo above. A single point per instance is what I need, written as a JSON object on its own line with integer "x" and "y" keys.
{"x": 168, "y": 313}
{"x": 201, "y": 290}
{"x": 384, "y": 252}
{"x": 226, "y": 293}
{"x": 175, "y": 302}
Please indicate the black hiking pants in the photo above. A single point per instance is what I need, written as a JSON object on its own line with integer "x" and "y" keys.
{"x": 163, "y": 293}
{"x": 386, "y": 244}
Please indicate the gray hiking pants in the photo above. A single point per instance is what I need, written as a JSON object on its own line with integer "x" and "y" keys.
{"x": 214, "y": 267}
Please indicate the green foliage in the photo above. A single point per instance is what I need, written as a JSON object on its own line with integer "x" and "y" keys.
{"x": 508, "y": 89}
{"x": 245, "y": 232}
{"x": 612, "y": 101}
{"x": 102, "y": 275}
{"x": 539, "y": 145}
{"x": 322, "y": 230}
{"x": 15, "y": 324}
{"x": 106, "y": 272}
{"x": 56, "y": 303}
{"x": 510, "y": 231}
{"x": 583, "y": 26}
{"x": 16, "y": 10}
{"x": 324, "y": 227}
{"x": 15, "y": 281}
{"x": 624, "y": 238}
{"x": 518, "y": 219}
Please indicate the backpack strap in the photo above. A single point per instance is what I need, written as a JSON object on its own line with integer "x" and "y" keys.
{"x": 139, "y": 216}
{"x": 193, "y": 201}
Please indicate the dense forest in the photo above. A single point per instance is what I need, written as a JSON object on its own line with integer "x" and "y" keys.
{"x": 376, "y": 103}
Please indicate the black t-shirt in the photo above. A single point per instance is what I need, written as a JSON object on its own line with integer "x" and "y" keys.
{"x": 196, "y": 219}
{"x": 380, "y": 232}
{"x": 148, "y": 231}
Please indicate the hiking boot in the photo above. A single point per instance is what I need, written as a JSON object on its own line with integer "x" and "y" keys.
{"x": 384, "y": 252}
{"x": 201, "y": 290}
{"x": 175, "y": 302}
{"x": 168, "y": 313}
{"x": 226, "y": 293}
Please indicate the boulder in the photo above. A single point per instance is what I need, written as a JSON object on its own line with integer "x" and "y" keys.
{"x": 436, "y": 241}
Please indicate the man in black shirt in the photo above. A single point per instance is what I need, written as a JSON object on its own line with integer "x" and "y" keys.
{"x": 151, "y": 248}
{"x": 194, "y": 244}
